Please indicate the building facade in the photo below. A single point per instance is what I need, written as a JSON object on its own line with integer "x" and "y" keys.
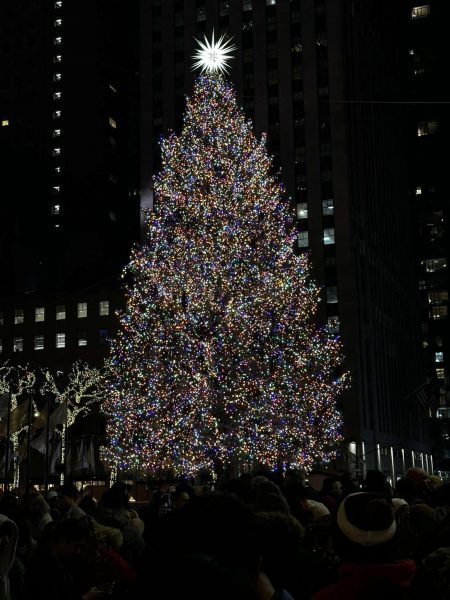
{"x": 69, "y": 145}
{"x": 429, "y": 131}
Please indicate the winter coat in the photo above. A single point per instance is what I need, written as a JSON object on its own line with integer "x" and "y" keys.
{"x": 363, "y": 582}
{"x": 8, "y": 544}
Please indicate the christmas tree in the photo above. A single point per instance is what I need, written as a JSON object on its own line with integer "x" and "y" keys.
{"x": 218, "y": 358}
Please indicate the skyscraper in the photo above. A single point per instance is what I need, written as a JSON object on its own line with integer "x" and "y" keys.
{"x": 70, "y": 176}
{"x": 429, "y": 127}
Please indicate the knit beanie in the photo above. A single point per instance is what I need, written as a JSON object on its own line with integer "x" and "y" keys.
{"x": 318, "y": 510}
{"x": 367, "y": 519}
{"x": 269, "y": 497}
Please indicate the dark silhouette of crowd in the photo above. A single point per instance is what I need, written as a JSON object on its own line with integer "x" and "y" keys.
{"x": 264, "y": 536}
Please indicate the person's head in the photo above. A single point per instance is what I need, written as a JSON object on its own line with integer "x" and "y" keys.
{"x": 377, "y": 482}
{"x": 404, "y": 488}
{"x": 67, "y": 538}
{"x": 179, "y": 498}
{"x": 419, "y": 477}
{"x": 88, "y": 504}
{"x": 332, "y": 486}
{"x": 67, "y": 496}
{"x": 366, "y": 528}
{"x": 36, "y": 505}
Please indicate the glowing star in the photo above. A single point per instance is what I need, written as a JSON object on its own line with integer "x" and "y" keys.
{"x": 213, "y": 57}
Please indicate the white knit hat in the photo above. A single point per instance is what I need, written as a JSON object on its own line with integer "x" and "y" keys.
{"x": 357, "y": 515}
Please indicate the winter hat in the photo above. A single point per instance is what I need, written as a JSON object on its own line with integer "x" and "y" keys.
{"x": 268, "y": 496}
{"x": 367, "y": 519}
{"x": 319, "y": 511}
{"x": 399, "y": 503}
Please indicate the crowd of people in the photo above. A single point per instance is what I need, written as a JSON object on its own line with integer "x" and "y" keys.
{"x": 257, "y": 537}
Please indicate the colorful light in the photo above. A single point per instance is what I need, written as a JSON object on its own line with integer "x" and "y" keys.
{"x": 218, "y": 358}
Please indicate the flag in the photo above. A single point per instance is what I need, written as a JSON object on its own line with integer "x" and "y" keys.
{"x": 58, "y": 417}
{"x": 17, "y": 417}
{"x": 56, "y": 457}
{"x": 82, "y": 462}
{"x": 91, "y": 458}
{"x": 39, "y": 443}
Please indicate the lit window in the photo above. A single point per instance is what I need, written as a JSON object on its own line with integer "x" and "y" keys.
{"x": 419, "y": 12}
{"x": 82, "y": 310}
{"x": 103, "y": 336}
{"x": 246, "y": 5}
{"x": 81, "y": 338}
{"x": 302, "y": 210}
{"x": 5, "y": 122}
{"x": 440, "y": 374}
{"x": 1, "y": 345}
{"x": 112, "y": 88}
{"x": 56, "y": 189}
{"x": 58, "y": 4}
{"x": 58, "y": 22}
{"x": 60, "y": 312}
{"x": 57, "y": 40}
{"x": 18, "y": 316}
{"x": 332, "y": 296}
{"x": 57, "y": 77}
{"x": 56, "y": 114}
{"x": 56, "y": 151}
{"x": 38, "y": 342}
{"x": 57, "y": 226}
{"x": 435, "y": 297}
{"x": 426, "y": 128}
{"x": 18, "y": 344}
{"x": 57, "y": 58}
{"x": 57, "y": 95}
{"x": 57, "y": 169}
{"x": 438, "y": 312}
{"x": 60, "y": 340}
{"x": 39, "y": 314}
{"x": 418, "y": 190}
{"x": 435, "y": 264}
{"x": 56, "y": 133}
{"x": 328, "y": 206}
{"x": 303, "y": 239}
{"x": 103, "y": 308}
{"x": 113, "y": 122}
{"x": 56, "y": 208}
{"x": 333, "y": 324}
{"x": 271, "y": 2}
{"x": 438, "y": 357}
{"x": 411, "y": 52}
{"x": 328, "y": 236}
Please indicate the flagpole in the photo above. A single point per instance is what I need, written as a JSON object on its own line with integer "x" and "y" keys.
{"x": 47, "y": 449}
{"x": 8, "y": 433}
{"x": 28, "y": 463}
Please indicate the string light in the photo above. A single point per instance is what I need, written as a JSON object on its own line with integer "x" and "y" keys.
{"x": 218, "y": 359}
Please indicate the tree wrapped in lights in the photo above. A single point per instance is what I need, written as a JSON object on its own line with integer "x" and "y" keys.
{"x": 218, "y": 358}
{"x": 77, "y": 392}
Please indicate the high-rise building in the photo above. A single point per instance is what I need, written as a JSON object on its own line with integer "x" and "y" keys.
{"x": 69, "y": 145}
{"x": 429, "y": 128}
{"x": 322, "y": 77}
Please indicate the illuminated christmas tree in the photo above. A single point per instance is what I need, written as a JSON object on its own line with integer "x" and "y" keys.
{"x": 218, "y": 358}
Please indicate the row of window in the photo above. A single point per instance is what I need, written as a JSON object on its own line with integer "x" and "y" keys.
{"x": 328, "y": 237}
{"x": 426, "y": 128}
{"x": 60, "y": 312}
{"x": 420, "y": 12}
{"x": 60, "y": 340}
{"x": 327, "y": 208}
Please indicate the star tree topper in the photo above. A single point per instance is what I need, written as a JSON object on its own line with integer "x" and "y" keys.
{"x": 213, "y": 57}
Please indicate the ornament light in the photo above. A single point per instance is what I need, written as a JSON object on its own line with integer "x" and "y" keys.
{"x": 213, "y": 57}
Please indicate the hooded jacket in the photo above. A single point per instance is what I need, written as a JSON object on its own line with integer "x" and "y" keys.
{"x": 8, "y": 544}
